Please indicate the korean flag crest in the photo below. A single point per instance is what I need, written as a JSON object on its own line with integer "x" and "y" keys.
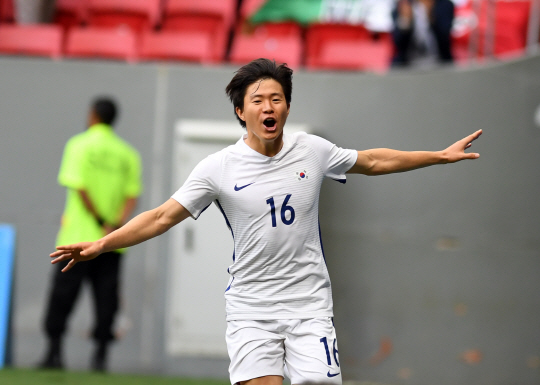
{"x": 300, "y": 175}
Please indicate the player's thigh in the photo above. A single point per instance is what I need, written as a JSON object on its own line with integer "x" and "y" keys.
{"x": 312, "y": 352}
{"x": 266, "y": 380}
{"x": 256, "y": 350}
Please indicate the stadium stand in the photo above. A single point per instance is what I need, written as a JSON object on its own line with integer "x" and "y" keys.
{"x": 176, "y": 45}
{"x": 139, "y": 15}
{"x": 200, "y": 31}
{"x": 211, "y": 17}
{"x": 36, "y": 40}
{"x": 70, "y": 13}
{"x": 108, "y": 43}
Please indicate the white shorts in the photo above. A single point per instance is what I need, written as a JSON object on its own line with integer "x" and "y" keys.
{"x": 304, "y": 350}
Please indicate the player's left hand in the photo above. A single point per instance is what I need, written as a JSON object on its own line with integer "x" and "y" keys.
{"x": 456, "y": 152}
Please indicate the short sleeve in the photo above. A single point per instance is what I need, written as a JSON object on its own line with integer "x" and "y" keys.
{"x": 335, "y": 161}
{"x": 133, "y": 186}
{"x": 71, "y": 174}
{"x": 201, "y": 187}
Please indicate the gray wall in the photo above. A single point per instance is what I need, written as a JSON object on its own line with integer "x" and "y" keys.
{"x": 438, "y": 261}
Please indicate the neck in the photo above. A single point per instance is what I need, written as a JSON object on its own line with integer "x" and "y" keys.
{"x": 267, "y": 148}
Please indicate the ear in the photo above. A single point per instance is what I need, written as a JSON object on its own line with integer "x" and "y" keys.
{"x": 288, "y": 108}
{"x": 240, "y": 113}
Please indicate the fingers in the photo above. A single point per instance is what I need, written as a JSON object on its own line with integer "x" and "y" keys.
{"x": 69, "y": 265}
{"x": 474, "y": 136}
{"x": 61, "y": 258}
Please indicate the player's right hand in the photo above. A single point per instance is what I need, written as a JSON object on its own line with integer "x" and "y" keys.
{"x": 78, "y": 252}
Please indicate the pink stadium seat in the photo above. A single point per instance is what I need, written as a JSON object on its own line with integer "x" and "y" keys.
{"x": 7, "y": 11}
{"x": 39, "y": 40}
{"x": 321, "y": 34}
{"x": 139, "y": 15}
{"x": 281, "y": 48}
{"x": 110, "y": 43}
{"x": 211, "y": 17}
{"x": 70, "y": 13}
{"x": 176, "y": 45}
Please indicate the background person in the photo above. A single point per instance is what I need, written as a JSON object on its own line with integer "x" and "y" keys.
{"x": 102, "y": 174}
{"x": 422, "y": 31}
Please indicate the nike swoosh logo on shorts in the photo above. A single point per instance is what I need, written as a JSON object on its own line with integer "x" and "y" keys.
{"x": 332, "y": 375}
{"x": 236, "y": 188}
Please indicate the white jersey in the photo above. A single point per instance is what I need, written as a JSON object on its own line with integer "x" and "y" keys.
{"x": 271, "y": 206}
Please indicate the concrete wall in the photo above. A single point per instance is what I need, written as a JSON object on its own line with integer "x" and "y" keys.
{"x": 434, "y": 262}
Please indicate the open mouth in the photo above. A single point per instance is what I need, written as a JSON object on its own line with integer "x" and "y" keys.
{"x": 269, "y": 123}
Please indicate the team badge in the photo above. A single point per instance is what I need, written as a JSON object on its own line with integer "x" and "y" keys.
{"x": 302, "y": 175}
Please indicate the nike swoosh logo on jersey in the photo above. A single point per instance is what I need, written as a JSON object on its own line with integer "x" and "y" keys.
{"x": 236, "y": 188}
{"x": 332, "y": 375}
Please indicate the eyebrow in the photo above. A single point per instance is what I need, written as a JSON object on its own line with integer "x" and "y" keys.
{"x": 253, "y": 96}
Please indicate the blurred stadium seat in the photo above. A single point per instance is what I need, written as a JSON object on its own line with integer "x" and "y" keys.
{"x": 138, "y": 15}
{"x": 326, "y": 39}
{"x": 363, "y": 55}
{"x": 176, "y": 45}
{"x": 70, "y": 13}
{"x": 39, "y": 40}
{"x": 211, "y": 17}
{"x": 511, "y": 23}
{"x": 93, "y": 42}
{"x": 510, "y": 28}
{"x": 7, "y": 11}
{"x": 279, "y": 41}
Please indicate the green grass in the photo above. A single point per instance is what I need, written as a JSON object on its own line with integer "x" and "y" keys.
{"x": 54, "y": 377}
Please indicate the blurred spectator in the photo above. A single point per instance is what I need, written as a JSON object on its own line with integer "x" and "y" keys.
{"x": 102, "y": 175}
{"x": 422, "y": 31}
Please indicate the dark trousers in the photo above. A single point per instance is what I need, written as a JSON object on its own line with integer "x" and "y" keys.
{"x": 103, "y": 275}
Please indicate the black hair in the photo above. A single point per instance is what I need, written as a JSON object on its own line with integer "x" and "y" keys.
{"x": 257, "y": 70}
{"x": 105, "y": 110}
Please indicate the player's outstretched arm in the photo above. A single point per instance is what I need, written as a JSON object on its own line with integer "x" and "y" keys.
{"x": 381, "y": 161}
{"x": 141, "y": 228}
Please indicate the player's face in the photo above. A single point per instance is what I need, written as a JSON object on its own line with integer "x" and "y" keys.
{"x": 265, "y": 113}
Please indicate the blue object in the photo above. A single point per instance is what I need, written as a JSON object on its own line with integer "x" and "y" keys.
{"x": 7, "y": 256}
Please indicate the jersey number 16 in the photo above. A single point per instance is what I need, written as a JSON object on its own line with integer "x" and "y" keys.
{"x": 284, "y": 209}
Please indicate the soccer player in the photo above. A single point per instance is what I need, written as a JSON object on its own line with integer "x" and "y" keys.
{"x": 267, "y": 185}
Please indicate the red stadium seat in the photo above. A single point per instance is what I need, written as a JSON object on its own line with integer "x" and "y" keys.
{"x": 363, "y": 55}
{"x": 139, "y": 15}
{"x": 110, "y": 43}
{"x": 7, "y": 11}
{"x": 211, "y": 17}
{"x": 264, "y": 42}
{"x": 511, "y": 23}
{"x": 70, "y": 13}
{"x": 320, "y": 35}
{"x": 39, "y": 40}
{"x": 223, "y": 9}
{"x": 176, "y": 45}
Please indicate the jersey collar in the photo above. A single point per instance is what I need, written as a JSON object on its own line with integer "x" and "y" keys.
{"x": 100, "y": 127}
